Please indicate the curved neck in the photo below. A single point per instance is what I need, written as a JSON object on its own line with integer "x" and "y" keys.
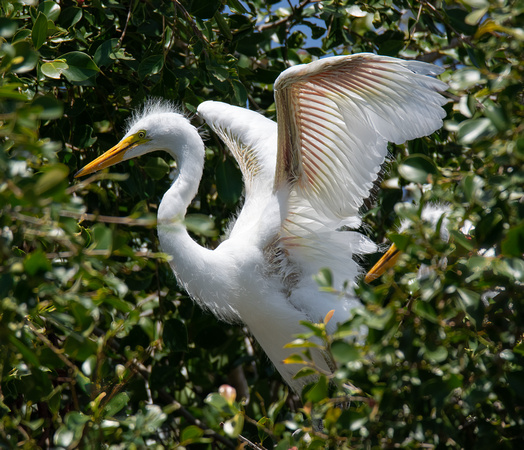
{"x": 172, "y": 233}
{"x": 189, "y": 157}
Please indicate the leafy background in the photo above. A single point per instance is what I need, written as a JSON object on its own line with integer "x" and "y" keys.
{"x": 99, "y": 346}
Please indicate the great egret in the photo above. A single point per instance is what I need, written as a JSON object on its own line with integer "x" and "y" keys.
{"x": 305, "y": 180}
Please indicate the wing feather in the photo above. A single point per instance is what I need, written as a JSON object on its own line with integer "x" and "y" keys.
{"x": 335, "y": 118}
{"x": 250, "y": 137}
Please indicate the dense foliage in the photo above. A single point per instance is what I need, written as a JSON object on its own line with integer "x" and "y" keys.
{"x": 100, "y": 348}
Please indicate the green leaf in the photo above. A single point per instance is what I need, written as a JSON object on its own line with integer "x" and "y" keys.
{"x": 8, "y": 27}
{"x": 39, "y": 32}
{"x": 438, "y": 354}
{"x": 51, "y": 179}
{"x": 25, "y": 59}
{"x": 400, "y": 240}
{"x": 240, "y": 92}
{"x": 472, "y": 186}
{"x": 233, "y": 427}
{"x": 475, "y": 16}
{"x": 223, "y": 25}
{"x": 50, "y": 8}
{"x": 116, "y": 404}
{"x": 472, "y": 130}
{"x": 83, "y": 137}
{"x": 512, "y": 268}
{"x": 102, "y": 239}
{"x": 301, "y": 343}
{"x": 265, "y": 423}
{"x": 50, "y": 108}
{"x": 457, "y": 18}
{"x": 229, "y": 181}
{"x": 190, "y": 434}
{"x": 305, "y": 372}
{"x": 237, "y": 6}
{"x": 201, "y": 224}
{"x": 318, "y": 391}
{"x": 463, "y": 241}
{"x": 63, "y": 437}
{"x": 37, "y": 262}
{"x": 489, "y": 229}
{"x": 466, "y": 78}
{"x": 380, "y": 318}
{"x": 218, "y": 402}
{"x": 156, "y": 167}
{"x": 204, "y": 10}
{"x": 80, "y": 67}
{"x": 70, "y": 16}
{"x": 54, "y": 69}
{"x": 344, "y": 352}
{"x": 324, "y": 278}
{"x": 426, "y": 311}
{"x": 471, "y": 303}
{"x": 28, "y": 355}
{"x": 513, "y": 243}
{"x": 418, "y": 168}
{"x": 150, "y": 66}
{"x": 174, "y": 335}
{"x": 10, "y": 91}
{"x": 391, "y": 47}
{"x": 108, "y": 52}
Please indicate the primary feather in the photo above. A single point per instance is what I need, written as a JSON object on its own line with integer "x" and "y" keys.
{"x": 305, "y": 177}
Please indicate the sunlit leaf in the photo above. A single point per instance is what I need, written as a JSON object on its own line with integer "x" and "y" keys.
{"x": 418, "y": 169}
{"x": 54, "y": 69}
{"x": 50, "y": 8}
{"x": 80, "y": 66}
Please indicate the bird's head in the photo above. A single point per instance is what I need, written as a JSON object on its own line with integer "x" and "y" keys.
{"x": 157, "y": 127}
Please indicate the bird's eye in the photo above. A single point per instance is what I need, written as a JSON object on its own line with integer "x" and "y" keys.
{"x": 141, "y": 134}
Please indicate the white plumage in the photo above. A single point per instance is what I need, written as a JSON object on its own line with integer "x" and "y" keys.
{"x": 305, "y": 178}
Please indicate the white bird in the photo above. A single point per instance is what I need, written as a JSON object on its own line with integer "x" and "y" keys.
{"x": 305, "y": 180}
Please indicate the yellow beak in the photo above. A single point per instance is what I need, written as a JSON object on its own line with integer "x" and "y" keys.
{"x": 112, "y": 156}
{"x": 388, "y": 260}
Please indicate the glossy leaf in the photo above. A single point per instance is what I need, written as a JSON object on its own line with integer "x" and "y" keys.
{"x": 151, "y": 65}
{"x": 39, "y": 32}
{"x": 54, "y": 69}
{"x": 50, "y": 8}
{"x": 80, "y": 66}
{"x": 418, "y": 169}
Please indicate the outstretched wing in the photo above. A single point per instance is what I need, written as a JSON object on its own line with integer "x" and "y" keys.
{"x": 336, "y": 116}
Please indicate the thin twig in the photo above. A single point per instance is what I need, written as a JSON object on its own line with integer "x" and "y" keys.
{"x": 279, "y": 22}
{"x": 125, "y": 26}
{"x": 189, "y": 19}
{"x": 147, "y": 222}
{"x": 249, "y": 443}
